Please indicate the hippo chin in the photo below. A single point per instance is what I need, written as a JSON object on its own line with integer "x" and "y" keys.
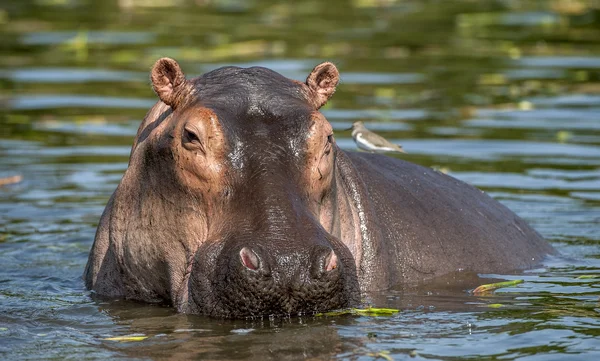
{"x": 237, "y": 202}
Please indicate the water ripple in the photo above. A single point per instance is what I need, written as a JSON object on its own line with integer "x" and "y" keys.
{"x": 70, "y": 75}
{"x": 31, "y": 102}
{"x": 97, "y": 37}
{"x": 589, "y": 62}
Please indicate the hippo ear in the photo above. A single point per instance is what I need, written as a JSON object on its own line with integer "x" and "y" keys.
{"x": 322, "y": 82}
{"x": 167, "y": 79}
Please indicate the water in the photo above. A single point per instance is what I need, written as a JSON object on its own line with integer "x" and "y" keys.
{"x": 502, "y": 94}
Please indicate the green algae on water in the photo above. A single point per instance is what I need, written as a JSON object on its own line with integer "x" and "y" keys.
{"x": 369, "y": 311}
{"x": 129, "y": 338}
{"x": 494, "y": 286}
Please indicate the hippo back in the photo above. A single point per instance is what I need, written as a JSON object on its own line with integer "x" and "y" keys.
{"x": 432, "y": 224}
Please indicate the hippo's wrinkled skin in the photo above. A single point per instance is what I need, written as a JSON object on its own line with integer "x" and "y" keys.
{"x": 238, "y": 202}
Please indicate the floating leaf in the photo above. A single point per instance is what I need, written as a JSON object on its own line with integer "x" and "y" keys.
{"x": 525, "y": 105}
{"x": 131, "y": 338}
{"x": 587, "y": 277}
{"x": 369, "y": 311}
{"x": 495, "y": 305}
{"x": 382, "y": 354}
{"x": 494, "y": 286}
{"x": 563, "y": 136}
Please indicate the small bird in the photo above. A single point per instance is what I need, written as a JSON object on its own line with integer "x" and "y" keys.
{"x": 372, "y": 142}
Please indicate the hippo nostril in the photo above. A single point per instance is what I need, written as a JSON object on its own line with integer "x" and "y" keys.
{"x": 325, "y": 260}
{"x": 249, "y": 259}
{"x": 331, "y": 262}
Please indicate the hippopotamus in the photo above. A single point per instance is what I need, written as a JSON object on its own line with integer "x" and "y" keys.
{"x": 237, "y": 202}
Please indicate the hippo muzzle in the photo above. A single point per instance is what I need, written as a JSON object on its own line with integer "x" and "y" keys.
{"x": 249, "y": 280}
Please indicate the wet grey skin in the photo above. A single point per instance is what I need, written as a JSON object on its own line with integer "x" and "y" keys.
{"x": 372, "y": 142}
{"x": 237, "y": 202}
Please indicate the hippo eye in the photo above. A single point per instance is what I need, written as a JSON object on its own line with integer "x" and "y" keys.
{"x": 328, "y": 144}
{"x": 192, "y": 138}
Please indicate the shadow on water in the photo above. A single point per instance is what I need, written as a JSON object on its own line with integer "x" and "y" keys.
{"x": 504, "y": 95}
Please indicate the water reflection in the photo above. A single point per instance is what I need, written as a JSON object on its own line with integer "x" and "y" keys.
{"x": 69, "y": 75}
{"x": 579, "y": 62}
{"x": 41, "y": 101}
{"x": 101, "y": 37}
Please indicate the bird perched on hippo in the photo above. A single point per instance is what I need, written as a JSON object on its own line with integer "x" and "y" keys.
{"x": 238, "y": 202}
{"x": 372, "y": 142}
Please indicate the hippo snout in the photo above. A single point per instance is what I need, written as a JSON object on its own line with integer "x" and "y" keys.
{"x": 252, "y": 280}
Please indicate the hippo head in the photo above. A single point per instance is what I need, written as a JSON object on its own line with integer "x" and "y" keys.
{"x": 237, "y": 169}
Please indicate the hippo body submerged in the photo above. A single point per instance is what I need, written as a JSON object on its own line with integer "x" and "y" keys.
{"x": 237, "y": 202}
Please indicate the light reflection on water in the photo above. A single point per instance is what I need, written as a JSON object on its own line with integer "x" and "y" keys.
{"x": 102, "y": 37}
{"x": 518, "y": 118}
